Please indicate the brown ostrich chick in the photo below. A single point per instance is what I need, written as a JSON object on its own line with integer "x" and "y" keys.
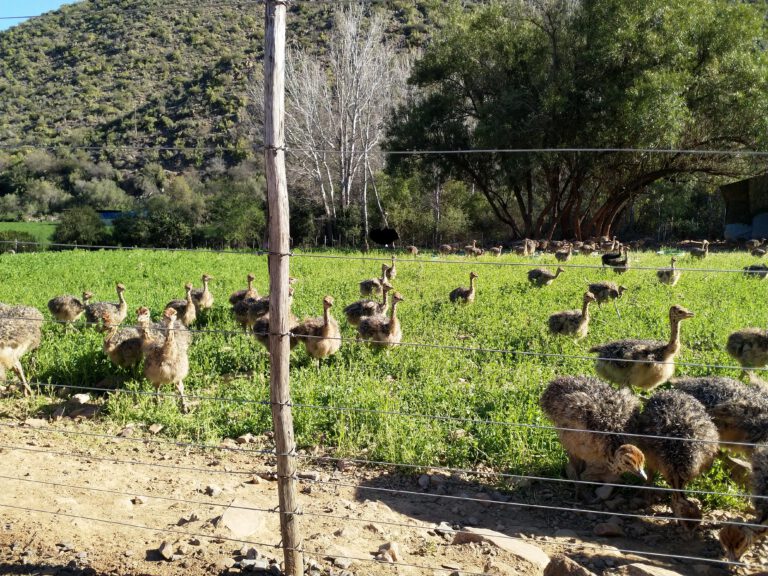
{"x": 94, "y": 312}
{"x": 203, "y": 299}
{"x": 68, "y": 308}
{"x": 249, "y": 292}
{"x": 575, "y": 403}
{"x": 121, "y": 345}
{"x": 20, "y": 332}
{"x": 463, "y": 294}
{"x": 321, "y": 336}
{"x": 669, "y": 276}
{"x": 186, "y": 312}
{"x": 679, "y": 440}
{"x": 605, "y": 291}
{"x": 383, "y": 330}
{"x": 543, "y": 277}
{"x": 572, "y": 322}
{"x": 166, "y": 361}
{"x": 356, "y": 311}
{"x": 373, "y": 286}
{"x": 642, "y": 363}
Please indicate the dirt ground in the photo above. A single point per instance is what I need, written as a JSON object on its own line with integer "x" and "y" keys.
{"x": 76, "y": 500}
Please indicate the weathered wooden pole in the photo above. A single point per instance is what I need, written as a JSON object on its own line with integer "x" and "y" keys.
{"x": 277, "y": 194}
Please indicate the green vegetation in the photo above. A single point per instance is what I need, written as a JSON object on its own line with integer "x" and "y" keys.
{"x": 40, "y": 231}
{"x": 468, "y": 385}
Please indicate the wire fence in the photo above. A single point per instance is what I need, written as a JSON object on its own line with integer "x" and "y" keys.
{"x": 480, "y": 475}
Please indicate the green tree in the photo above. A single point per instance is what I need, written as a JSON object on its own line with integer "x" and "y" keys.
{"x": 586, "y": 74}
{"x": 81, "y": 226}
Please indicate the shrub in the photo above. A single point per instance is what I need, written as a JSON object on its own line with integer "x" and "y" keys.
{"x": 80, "y": 226}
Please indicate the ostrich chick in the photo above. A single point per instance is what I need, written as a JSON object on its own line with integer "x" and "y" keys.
{"x": 121, "y": 345}
{"x": 739, "y": 412}
{"x": 261, "y": 330}
{"x": 94, "y": 312}
{"x": 373, "y": 286}
{"x": 670, "y": 420}
{"x": 579, "y": 403}
{"x": 390, "y": 273}
{"x": 496, "y": 250}
{"x": 462, "y": 293}
{"x": 365, "y": 308}
{"x": 20, "y": 332}
{"x": 445, "y": 249}
{"x": 203, "y": 299}
{"x": 382, "y": 330}
{"x": 565, "y": 254}
{"x": 736, "y": 540}
{"x": 167, "y": 361}
{"x": 543, "y": 277}
{"x": 186, "y": 312}
{"x": 321, "y": 336}
{"x": 702, "y": 252}
{"x": 572, "y": 322}
{"x": 669, "y": 276}
{"x": 642, "y": 363}
{"x": 68, "y": 308}
{"x": 749, "y": 347}
{"x": 605, "y": 291}
{"x": 249, "y": 292}
{"x": 756, "y": 271}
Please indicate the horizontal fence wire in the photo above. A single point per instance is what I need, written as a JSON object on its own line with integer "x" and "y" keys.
{"x": 577, "y": 545}
{"x": 409, "y": 415}
{"x": 302, "y": 512}
{"x": 383, "y": 258}
{"x": 476, "y": 349}
{"x": 384, "y": 463}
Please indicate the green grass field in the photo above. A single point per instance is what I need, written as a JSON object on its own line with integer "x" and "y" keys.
{"x": 473, "y": 386}
{"x": 42, "y": 231}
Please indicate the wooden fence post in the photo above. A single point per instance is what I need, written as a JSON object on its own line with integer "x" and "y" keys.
{"x": 277, "y": 195}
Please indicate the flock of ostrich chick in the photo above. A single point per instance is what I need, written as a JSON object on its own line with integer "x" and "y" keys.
{"x": 606, "y": 431}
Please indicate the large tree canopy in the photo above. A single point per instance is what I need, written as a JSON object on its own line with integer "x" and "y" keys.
{"x": 686, "y": 75}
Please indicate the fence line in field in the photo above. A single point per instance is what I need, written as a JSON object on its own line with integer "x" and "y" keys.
{"x": 408, "y": 466}
{"x": 413, "y": 416}
{"x": 384, "y": 258}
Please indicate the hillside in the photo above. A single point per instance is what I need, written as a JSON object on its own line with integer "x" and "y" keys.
{"x": 138, "y": 73}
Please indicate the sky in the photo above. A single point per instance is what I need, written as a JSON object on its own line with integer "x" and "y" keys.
{"x": 26, "y": 8}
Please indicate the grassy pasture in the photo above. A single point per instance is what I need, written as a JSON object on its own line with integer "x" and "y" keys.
{"x": 42, "y": 231}
{"x": 460, "y": 384}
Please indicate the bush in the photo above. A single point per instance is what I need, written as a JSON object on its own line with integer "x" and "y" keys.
{"x": 17, "y": 235}
{"x": 80, "y": 226}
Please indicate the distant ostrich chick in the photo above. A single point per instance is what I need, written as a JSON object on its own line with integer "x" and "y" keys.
{"x": 373, "y": 286}
{"x": 542, "y": 277}
{"x": 68, "y": 308}
{"x": 756, "y": 271}
{"x": 565, "y": 254}
{"x": 249, "y": 292}
{"x": 391, "y": 271}
{"x": 669, "y": 276}
{"x": 575, "y": 403}
{"x": 642, "y": 363}
{"x": 185, "y": 309}
{"x": 356, "y": 311}
{"x": 605, "y": 291}
{"x": 736, "y": 540}
{"x": 94, "y": 312}
{"x": 382, "y": 330}
{"x": 702, "y": 252}
{"x": 261, "y": 330}
{"x": 572, "y": 322}
{"x": 203, "y": 299}
{"x": 20, "y": 332}
{"x": 412, "y": 250}
{"x": 669, "y": 421}
{"x": 497, "y": 250}
{"x": 165, "y": 362}
{"x": 321, "y": 336}
{"x": 463, "y": 294}
{"x": 445, "y": 249}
